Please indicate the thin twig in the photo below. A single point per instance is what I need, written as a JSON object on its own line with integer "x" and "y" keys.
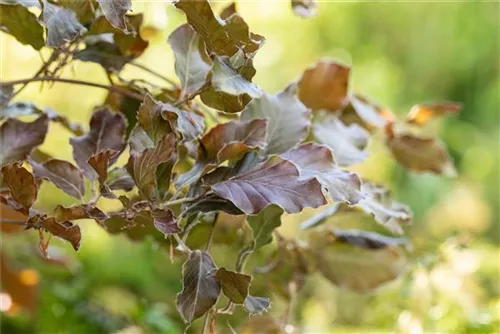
{"x": 181, "y": 243}
{"x": 150, "y": 71}
{"x": 211, "y": 236}
{"x": 12, "y": 221}
{"x": 114, "y": 89}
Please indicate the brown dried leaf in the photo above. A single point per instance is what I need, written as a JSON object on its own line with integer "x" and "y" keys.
{"x": 84, "y": 211}
{"x": 22, "y": 185}
{"x": 422, "y": 114}
{"x": 325, "y": 86}
{"x": 64, "y": 230}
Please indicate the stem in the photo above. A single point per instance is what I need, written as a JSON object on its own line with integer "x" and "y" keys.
{"x": 211, "y": 236}
{"x": 150, "y": 71}
{"x": 181, "y": 243}
{"x": 242, "y": 258}
{"x": 114, "y": 89}
{"x": 12, "y": 222}
{"x": 179, "y": 201}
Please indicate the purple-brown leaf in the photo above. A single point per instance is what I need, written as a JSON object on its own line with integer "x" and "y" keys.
{"x": 115, "y": 11}
{"x": 165, "y": 222}
{"x": 64, "y": 230}
{"x": 63, "y": 175}
{"x": 22, "y": 185}
{"x": 84, "y": 211}
{"x": 18, "y": 139}
{"x": 271, "y": 183}
{"x": 107, "y": 131}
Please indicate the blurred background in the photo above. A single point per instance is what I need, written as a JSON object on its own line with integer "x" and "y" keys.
{"x": 403, "y": 53}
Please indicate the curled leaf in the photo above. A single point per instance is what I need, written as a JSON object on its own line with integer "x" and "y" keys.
{"x": 366, "y": 114}
{"x": 165, "y": 222}
{"x": 63, "y": 175}
{"x": 84, "y": 211}
{"x": 421, "y": 114}
{"x": 100, "y": 163}
{"x": 22, "y": 185}
{"x": 18, "y": 21}
{"x": 234, "y": 285}
{"x": 115, "y": 11}
{"x": 200, "y": 289}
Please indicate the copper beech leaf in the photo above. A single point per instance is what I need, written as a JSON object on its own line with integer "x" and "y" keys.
{"x": 21, "y": 184}
{"x": 165, "y": 222}
{"x": 64, "y": 230}
{"x": 287, "y": 119}
{"x": 100, "y": 163}
{"x": 150, "y": 119}
{"x": 347, "y": 142}
{"x": 63, "y": 175}
{"x": 189, "y": 124}
{"x": 304, "y": 8}
{"x": 271, "y": 183}
{"x": 83, "y": 211}
{"x": 18, "y": 139}
{"x": 61, "y": 23}
{"x": 421, "y": 154}
{"x": 120, "y": 179}
{"x": 142, "y": 166}
{"x": 192, "y": 64}
{"x": 115, "y": 11}
{"x": 107, "y": 132}
{"x": 355, "y": 261}
{"x": 234, "y": 285}
{"x": 325, "y": 86}
{"x": 421, "y": 114}
{"x": 365, "y": 113}
{"x": 316, "y": 161}
{"x": 264, "y": 224}
{"x": 256, "y": 305}
{"x": 19, "y": 22}
{"x": 200, "y": 289}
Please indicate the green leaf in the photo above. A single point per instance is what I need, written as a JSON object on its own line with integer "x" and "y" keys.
{"x": 200, "y": 289}
{"x": 348, "y": 143}
{"x": 63, "y": 175}
{"x": 316, "y": 161}
{"x": 21, "y": 184}
{"x": 271, "y": 183}
{"x": 18, "y": 139}
{"x": 142, "y": 166}
{"x": 61, "y": 23}
{"x": 325, "y": 86}
{"x": 234, "y": 285}
{"x": 264, "y": 224}
{"x": 287, "y": 119}
{"x": 19, "y": 22}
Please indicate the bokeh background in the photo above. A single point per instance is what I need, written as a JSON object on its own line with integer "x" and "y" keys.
{"x": 403, "y": 53}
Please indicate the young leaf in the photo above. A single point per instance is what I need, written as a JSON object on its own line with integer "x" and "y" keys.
{"x": 271, "y": 183}
{"x": 378, "y": 202}
{"x": 325, "y": 86}
{"x": 287, "y": 119}
{"x": 315, "y": 160}
{"x": 200, "y": 289}
{"x": 18, "y": 139}
{"x": 22, "y": 185}
{"x": 84, "y": 211}
{"x": 234, "y": 285}
{"x": 18, "y": 21}
{"x": 347, "y": 143}
{"x": 354, "y": 264}
{"x": 61, "y": 23}
{"x": 165, "y": 222}
{"x": 304, "y": 8}
{"x": 63, "y": 175}
{"x": 264, "y": 224}
{"x": 142, "y": 166}
{"x": 256, "y": 305}
{"x": 115, "y": 11}
{"x": 107, "y": 131}
{"x": 421, "y": 154}
{"x": 192, "y": 64}
{"x": 421, "y": 114}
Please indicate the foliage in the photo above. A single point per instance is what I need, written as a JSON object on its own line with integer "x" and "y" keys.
{"x": 213, "y": 146}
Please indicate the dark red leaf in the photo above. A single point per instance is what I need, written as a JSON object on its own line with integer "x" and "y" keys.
{"x": 165, "y": 222}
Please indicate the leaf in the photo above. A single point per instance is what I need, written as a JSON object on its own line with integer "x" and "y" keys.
{"x": 65, "y": 230}
{"x": 321, "y": 217}
{"x": 287, "y": 119}
{"x": 150, "y": 119}
{"x": 125, "y": 105}
{"x": 22, "y": 185}
{"x": 84, "y": 211}
{"x": 366, "y": 114}
{"x": 359, "y": 263}
{"x": 106, "y": 54}
{"x": 264, "y": 224}
{"x": 304, "y": 8}
{"x": 19, "y": 22}
{"x": 200, "y": 289}
{"x": 61, "y": 23}
{"x": 107, "y": 130}
{"x": 325, "y": 86}
{"x": 271, "y": 183}
{"x": 192, "y": 64}
{"x": 316, "y": 161}
{"x": 120, "y": 179}
{"x": 165, "y": 222}
{"x": 347, "y": 143}
{"x": 228, "y": 80}
{"x": 100, "y": 163}
{"x": 18, "y": 139}
{"x": 188, "y": 124}
{"x": 211, "y": 203}
{"x": 115, "y": 12}
{"x": 234, "y": 285}
{"x": 63, "y": 175}
{"x": 84, "y": 9}
{"x": 142, "y": 166}
{"x": 131, "y": 45}
{"x": 256, "y": 305}
{"x": 378, "y": 202}
{"x": 421, "y": 114}
{"x": 421, "y": 154}
{"x": 367, "y": 240}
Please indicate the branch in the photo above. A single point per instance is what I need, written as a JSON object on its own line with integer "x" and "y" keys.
{"x": 114, "y": 89}
{"x": 12, "y": 222}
